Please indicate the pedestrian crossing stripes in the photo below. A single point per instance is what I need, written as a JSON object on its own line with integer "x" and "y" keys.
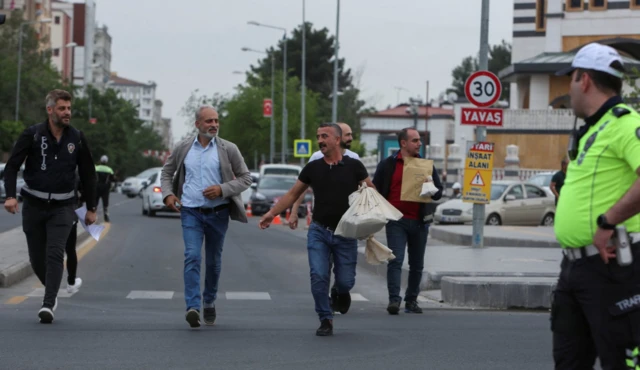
{"x": 150, "y": 294}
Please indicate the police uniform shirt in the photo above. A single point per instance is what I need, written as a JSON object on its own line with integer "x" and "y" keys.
{"x": 603, "y": 171}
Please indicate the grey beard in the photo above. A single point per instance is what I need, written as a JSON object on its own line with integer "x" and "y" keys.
{"x": 208, "y": 135}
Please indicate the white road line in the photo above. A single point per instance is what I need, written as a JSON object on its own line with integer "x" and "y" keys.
{"x": 39, "y": 293}
{"x": 248, "y": 295}
{"x": 150, "y": 294}
{"x": 124, "y": 202}
{"x": 357, "y": 297}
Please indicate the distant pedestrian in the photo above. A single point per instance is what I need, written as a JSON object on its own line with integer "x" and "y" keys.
{"x": 105, "y": 179}
{"x": 557, "y": 181}
{"x": 457, "y": 190}
{"x": 332, "y": 179}
{"x": 52, "y": 150}
{"x": 595, "y": 309}
{"x": 412, "y": 230}
{"x": 210, "y": 174}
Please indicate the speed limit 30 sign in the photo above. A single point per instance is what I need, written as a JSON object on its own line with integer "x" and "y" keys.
{"x": 482, "y": 89}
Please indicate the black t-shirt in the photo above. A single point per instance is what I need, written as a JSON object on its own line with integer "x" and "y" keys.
{"x": 332, "y": 186}
{"x": 558, "y": 178}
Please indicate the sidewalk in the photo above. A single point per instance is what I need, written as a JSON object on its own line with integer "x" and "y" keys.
{"x": 498, "y": 236}
{"x": 14, "y": 255}
{"x": 497, "y": 277}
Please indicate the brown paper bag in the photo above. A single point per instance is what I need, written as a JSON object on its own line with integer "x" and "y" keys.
{"x": 414, "y": 174}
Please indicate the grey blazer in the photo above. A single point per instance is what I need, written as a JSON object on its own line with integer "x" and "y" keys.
{"x": 235, "y": 174}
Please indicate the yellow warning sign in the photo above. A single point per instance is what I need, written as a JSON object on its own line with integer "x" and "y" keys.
{"x": 478, "y": 172}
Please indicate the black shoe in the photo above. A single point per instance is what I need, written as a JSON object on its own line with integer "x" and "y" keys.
{"x": 193, "y": 318}
{"x": 325, "y": 329}
{"x": 344, "y": 302}
{"x": 333, "y": 299}
{"x": 106, "y": 217}
{"x": 209, "y": 315}
{"x": 393, "y": 308}
{"x": 412, "y": 307}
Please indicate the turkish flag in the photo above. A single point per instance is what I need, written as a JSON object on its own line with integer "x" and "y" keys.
{"x": 267, "y": 107}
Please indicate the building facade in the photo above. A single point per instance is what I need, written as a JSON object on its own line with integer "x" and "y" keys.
{"x": 548, "y": 33}
{"x": 142, "y": 95}
{"x": 33, "y": 11}
{"x": 62, "y": 48}
{"x": 101, "y": 58}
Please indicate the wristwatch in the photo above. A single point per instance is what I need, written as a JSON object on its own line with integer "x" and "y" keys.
{"x": 604, "y": 224}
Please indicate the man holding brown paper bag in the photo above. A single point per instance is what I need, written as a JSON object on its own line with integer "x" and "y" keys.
{"x": 413, "y": 228}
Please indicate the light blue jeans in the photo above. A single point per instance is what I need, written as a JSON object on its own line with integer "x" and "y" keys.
{"x": 321, "y": 243}
{"x": 196, "y": 227}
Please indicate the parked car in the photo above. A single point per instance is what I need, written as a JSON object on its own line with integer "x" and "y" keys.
{"x": 512, "y": 203}
{"x": 280, "y": 169}
{"x": 132, "y": 186}
{"x": 19, "y": 182}
{"x": 543, "y": 180}
{"x": 269, "y": 189}
{"x": 246, "y": 195}
{"x": 151, "y": 195}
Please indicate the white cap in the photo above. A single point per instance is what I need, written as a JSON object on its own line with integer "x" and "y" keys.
{"x": 597, "y": 57}
{"x": 104, "y": 159}
{"x": 456, "y": 186}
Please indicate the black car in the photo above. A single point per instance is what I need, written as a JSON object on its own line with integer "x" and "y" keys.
{"x": 269, "y": 189}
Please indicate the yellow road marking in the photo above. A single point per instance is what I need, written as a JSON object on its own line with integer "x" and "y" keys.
{"x": 524, "y": 231}
{"x": 16, "y": 300}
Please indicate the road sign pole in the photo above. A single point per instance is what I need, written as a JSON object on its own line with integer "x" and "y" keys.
{"x": 481, "y": 133}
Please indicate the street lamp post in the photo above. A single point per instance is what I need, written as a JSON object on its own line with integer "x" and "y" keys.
{"x": 44, "y": 20}
{"x": 272, "y": 136}
{"x": 284, "y": 87}
{"x": 334, "y": 110}
{"x": 303, "y": 87}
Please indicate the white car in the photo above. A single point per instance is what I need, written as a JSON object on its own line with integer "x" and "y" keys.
{"x": 132, "y": 186}
{"x": 19, "y": 182}
{"x": 151, "y": 195}
{"x": 543, "y": 180}
{"x": 512, "y": 203}
{"x": 246, "y": 195}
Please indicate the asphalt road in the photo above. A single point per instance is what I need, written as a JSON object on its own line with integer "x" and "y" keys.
{"x": 9, "y": 221}
{"x": 99, "y": 327}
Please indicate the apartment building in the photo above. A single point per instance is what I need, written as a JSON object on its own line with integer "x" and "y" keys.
{"x": 101, "y": 58}
{"x": 33, "y": 11}
{"x": 548, "y": 33}
{"x": 62, "y": 38}
{"x": 142, "y": 95}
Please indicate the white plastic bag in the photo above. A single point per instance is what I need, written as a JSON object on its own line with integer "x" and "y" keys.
{"x": 368, "y": 213}
{"x": 376, "y": 253}
{"x": 428, "y": 188}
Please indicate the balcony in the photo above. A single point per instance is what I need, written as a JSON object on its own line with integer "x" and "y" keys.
{"x": 537, "y": 120}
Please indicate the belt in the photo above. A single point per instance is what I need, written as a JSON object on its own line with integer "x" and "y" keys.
{"x": 49, "y": 196}
{"x": 324, "y": 227}
{"x": 207, "y": 210}
{"x": 573, "y": 254}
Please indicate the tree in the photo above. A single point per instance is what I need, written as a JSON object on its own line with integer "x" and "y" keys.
{"x": 118, "y": 133}
{"x": 9, "y": 133}
{"x": 192, "y": 104}
{"x": 499, "y": 58}
{"x": 38, "y": 75}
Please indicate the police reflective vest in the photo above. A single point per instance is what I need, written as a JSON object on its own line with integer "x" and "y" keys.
{"x": 603, "y": 171}
{"x": 105, "y": 174}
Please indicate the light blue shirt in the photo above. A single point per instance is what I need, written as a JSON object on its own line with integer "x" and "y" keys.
{"x": 202, "y": 167}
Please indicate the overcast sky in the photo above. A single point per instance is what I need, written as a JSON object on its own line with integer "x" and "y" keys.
{"x": 195, "y": 44}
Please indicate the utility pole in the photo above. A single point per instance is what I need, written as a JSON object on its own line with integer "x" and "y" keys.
{"x": 304, "y": 73}
{"x": 272, "y": 136}
{"x": 284, "y": 101}
{"x": 334, "y": 110}
{"x": 481, "y": 133}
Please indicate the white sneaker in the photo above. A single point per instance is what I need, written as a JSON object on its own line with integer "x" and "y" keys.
{"x": 55, "y": 305}
{"x": 45, "y": 315}
{"x": 75, "y": 287}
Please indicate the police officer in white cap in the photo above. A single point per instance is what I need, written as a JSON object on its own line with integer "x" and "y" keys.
{"x": 105, "y": 178}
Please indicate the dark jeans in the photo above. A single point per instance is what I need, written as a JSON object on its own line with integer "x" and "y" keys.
{"x": 595, "y": 311}
{"x": 411, "y": 234}
{"x": 321, "y": 245}
{"x": 196, "y": 228}
{"x": 47, "y": 227}
{"x": 102, "y": 192}
{"x": 72, "y": 257}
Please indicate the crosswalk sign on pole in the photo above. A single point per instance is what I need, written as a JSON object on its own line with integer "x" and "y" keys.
{"x": 302, "y": 148}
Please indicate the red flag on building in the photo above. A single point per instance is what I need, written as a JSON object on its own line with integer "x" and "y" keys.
{"x": 13, "y": 4}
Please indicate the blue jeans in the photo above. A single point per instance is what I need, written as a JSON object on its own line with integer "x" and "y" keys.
{"x": 413, "y": 234}
{"x": 211, "y": 228}
{"x": 321, "y": 243}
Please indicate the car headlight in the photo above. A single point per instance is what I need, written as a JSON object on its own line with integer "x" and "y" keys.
{"x": 260, "y": 196}
{"x": 469, "y": 211}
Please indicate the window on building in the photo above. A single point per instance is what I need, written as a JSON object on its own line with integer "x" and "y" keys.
{"x": 574, "y": 5}
{"x": 57, "y": 20}
{"x": 541, "y": 15}
{"x": 146, "y": 112}
{"x": 597, "y": 4}
{"x": 56, "y": 52}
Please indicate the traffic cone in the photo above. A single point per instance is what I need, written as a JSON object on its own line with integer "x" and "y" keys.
{"x": 277, "y": 220}
{"x": 288, "y": 214}
{"x": 308, "y": 215}
{"x": 249, "y": 212}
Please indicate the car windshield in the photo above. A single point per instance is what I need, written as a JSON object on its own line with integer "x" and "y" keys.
{"x": 497, "y": 190}
{"x": 541, "y": 180}
{"x": 282, "y": 171}
{"x": 146, "y": 173}
{"x": 277, "y": 183}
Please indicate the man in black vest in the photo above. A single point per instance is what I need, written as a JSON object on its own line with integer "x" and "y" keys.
{"x": 52, "y": 150}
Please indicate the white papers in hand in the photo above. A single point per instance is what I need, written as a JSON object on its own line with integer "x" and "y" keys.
{"x": 94, "y": 230}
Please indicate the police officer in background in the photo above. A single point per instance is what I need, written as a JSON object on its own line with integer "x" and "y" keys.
{"x": 105, "y": 178}
{"x": 595, "y": 308}
{"x": 52, "y": 150}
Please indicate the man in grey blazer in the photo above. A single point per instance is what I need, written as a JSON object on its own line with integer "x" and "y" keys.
{"x": 204, "y": 176}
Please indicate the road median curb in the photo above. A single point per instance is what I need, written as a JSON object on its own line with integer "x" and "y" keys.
{"x": 457, "y": 238}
